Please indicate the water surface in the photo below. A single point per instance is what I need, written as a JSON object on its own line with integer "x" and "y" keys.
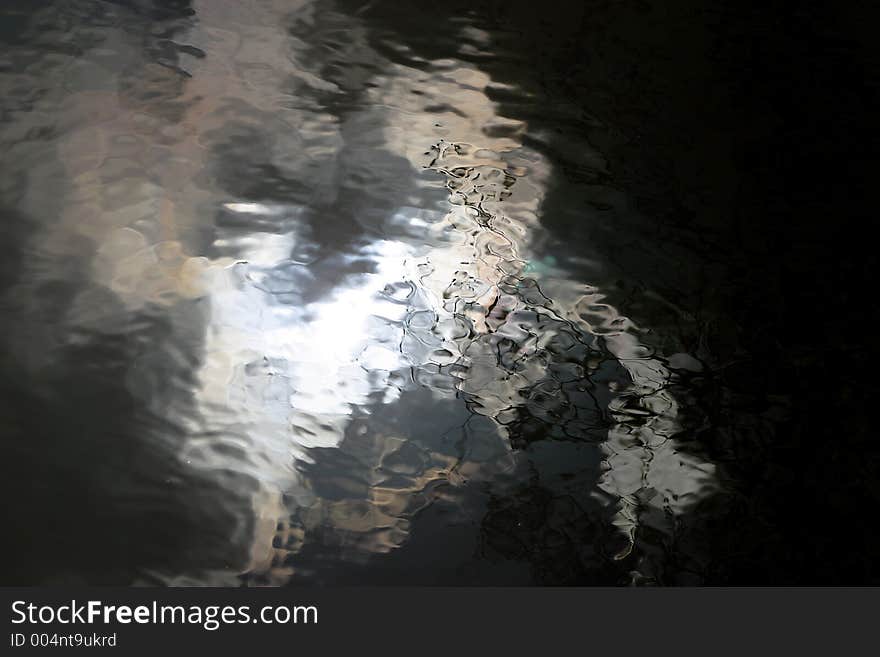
{"x": 322, "y": 292}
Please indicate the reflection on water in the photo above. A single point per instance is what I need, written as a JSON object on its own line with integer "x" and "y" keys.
{"x": 286, "y": 300}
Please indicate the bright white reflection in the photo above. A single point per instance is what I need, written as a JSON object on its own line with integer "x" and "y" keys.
{"x": 249, "y": 208}
{"x": 331, "y": 354}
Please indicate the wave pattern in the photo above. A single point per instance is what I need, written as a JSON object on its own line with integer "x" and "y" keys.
{"x": 312, "y": 268}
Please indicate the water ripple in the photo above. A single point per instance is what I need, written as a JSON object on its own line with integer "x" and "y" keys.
{"x": 302, "y": 277}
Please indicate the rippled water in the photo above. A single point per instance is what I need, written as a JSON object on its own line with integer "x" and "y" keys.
{"x": 316, "y": 291}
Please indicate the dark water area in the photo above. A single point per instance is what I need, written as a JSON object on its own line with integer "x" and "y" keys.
{"x": 317, "y": 292}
